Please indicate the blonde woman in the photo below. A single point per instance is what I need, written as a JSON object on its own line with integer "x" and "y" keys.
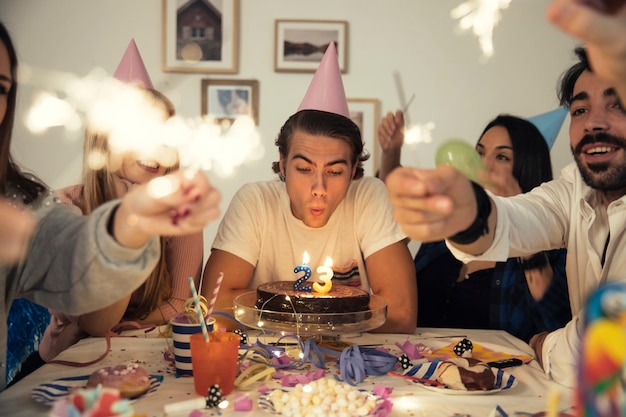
{"x": 164, "y": 292}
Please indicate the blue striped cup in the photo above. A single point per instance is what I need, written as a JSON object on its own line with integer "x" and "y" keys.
{"x": 182, "y": 351}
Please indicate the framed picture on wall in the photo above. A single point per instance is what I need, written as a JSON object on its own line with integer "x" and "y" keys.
{"x": 200, "y": 36}
{"x": 300, "y": 44}
{"x": 228, "y": 99}
{"x": 365, "y": 113}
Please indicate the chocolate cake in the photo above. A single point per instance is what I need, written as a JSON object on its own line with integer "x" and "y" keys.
{"x": 308, "y": 305}
{"x": 466, "y": 374}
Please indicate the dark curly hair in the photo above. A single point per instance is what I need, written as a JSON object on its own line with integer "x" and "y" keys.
{"x": 565, "y": 91}
{"x": 317, "y": 122}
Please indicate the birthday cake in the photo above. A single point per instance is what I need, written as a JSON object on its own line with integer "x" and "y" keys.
{"x": 280, "y": 301}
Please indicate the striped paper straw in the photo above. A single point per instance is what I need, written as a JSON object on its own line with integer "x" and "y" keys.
{"x": 196, "y": 302}
{"x": 215, "y": 292}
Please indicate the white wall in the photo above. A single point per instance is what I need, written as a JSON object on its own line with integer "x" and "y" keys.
{"x": 454, "y": 88}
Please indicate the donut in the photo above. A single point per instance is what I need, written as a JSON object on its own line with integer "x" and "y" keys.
{"x": 131, "y": 380}
{"x": 466, "y": 374}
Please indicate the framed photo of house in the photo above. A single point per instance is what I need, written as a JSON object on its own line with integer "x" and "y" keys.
{"x": 365, "y": 113}
{"x": 300, "y": 44}
{"x": 228, "y": 99}
{"x": 200, "y": 36}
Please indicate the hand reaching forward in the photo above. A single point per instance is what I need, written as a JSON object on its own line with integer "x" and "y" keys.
{"x": 601, "y": 24}
{"x": 176, "y": 204}
{"x": 431, "y": 205}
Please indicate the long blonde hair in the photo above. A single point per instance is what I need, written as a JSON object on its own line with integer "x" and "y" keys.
{"x": 99, "y": 187}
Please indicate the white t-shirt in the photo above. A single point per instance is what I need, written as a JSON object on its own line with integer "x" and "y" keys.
{"x": 260, "y": 228}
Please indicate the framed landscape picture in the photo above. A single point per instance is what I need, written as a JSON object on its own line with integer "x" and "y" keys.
{"x": 228, "y": 99}
{"x": 200, "y": 36}
{"x": 365, "y": 113}
{"x": 300, "y": 44}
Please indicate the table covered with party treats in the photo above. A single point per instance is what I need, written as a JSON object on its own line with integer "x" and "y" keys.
{"x": 398, "y": 392}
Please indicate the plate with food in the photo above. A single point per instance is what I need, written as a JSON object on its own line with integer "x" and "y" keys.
{"x": 320, "y": 395}
{"x": 133, "y": 383}
{"x": 463, "y": 376}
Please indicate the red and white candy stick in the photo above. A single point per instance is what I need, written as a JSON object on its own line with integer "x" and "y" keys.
{"x": 216, "y": 290}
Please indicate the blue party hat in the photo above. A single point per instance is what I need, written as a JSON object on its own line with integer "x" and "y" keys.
{"x": 549, "y": 123}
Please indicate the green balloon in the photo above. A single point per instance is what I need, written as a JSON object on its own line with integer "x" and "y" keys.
{"x": 461, "y": 156}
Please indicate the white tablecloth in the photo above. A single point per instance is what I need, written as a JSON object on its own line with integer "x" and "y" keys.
{"x": 529, "y": 395}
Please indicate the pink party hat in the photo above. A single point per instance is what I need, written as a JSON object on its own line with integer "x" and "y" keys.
{"x": 131, "y": 69}
{"x": 549, "y": 123}
{"x": 326, "y": 91}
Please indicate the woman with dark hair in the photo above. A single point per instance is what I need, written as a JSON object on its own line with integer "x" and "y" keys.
{"x": 521, "y": 296}
{"x": 531, "y": 162}
{"x": 72, "y": 263}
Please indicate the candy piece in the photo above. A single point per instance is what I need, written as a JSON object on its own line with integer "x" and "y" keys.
{"x": 325, "y": 397}
{"x": 94, "y": 402}
{"x": 242, "y": 402}
{"x": 79, "y": 402}
{"x": 464, "y": 348}
{"x": 215, "y": 396}
{"x": 243, "y": 335}
{"x": 405, "y": 362}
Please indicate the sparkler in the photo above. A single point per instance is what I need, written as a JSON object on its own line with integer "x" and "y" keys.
{"x": 481, "y": 16}
{"x": 135, "y": 124}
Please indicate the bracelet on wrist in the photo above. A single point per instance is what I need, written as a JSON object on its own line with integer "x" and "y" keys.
{"x": 480, "y": 226}
{"x": 537, "y": 261}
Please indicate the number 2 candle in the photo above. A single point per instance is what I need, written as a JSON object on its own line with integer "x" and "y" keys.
{"x": 299, "y": 284}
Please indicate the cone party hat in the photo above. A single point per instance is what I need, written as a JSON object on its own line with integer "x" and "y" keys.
{"x": 131, "y": 68}
{"x": 549, "y": 123}
{"x": 326, "y": 90}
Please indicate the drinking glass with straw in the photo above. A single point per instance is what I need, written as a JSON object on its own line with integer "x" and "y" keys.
{"x": 196, "y": 302}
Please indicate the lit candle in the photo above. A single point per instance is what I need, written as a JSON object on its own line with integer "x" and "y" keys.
{"x": 298, "y": 285}
{"x": 326, "y": 275}
{"x": 553, "y": 403}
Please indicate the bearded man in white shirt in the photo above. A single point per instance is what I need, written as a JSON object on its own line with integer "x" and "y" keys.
{"x": 584, "y": 210}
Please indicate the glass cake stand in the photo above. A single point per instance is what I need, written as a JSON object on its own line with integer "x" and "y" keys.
{"x": 328, "y": 324}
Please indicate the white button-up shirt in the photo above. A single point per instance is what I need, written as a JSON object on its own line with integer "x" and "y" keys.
{"x": 563, "y": 213}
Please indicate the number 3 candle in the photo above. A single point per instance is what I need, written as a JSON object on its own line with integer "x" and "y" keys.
{"x": 326, "y": 275}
